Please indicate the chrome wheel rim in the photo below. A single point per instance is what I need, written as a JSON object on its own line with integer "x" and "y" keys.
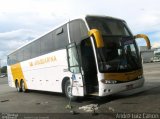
{"x": 17, "y": 86}
{"x": 69, "y": 91}
{"x": 23, "y": 87}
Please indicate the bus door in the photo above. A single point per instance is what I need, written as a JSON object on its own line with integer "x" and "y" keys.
{"x": 89, "y": 66}
{"x": 74, "y": 68}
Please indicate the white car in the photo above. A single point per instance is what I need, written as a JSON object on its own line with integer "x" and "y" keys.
{"x": 156, "y": 59}
{"x": 1, "y": 76}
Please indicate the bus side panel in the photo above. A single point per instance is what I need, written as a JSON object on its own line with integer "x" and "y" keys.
{"x": 46, "y": 72}
{"x": 47, "y": 79}
{"x": 10, "y": 77}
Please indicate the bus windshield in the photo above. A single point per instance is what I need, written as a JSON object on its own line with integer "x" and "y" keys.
{"x": 120, "y": 52}
{"x": 108, "y": 27}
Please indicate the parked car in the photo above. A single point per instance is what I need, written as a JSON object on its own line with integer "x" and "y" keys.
{"x": 156, "y": 59}
{"x": 3, "y": 75}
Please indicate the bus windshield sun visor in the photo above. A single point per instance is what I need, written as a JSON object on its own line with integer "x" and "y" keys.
{"x": 98, "y": 37}
{"x": 146, "y": 39}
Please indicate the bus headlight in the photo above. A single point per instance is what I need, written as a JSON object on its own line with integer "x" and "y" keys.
{"x": 108, "y": 81}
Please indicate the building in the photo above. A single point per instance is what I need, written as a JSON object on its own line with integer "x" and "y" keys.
{"x": 146, "y": 54}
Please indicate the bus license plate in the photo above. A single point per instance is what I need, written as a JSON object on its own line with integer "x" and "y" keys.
{"x": 128, "y": 87}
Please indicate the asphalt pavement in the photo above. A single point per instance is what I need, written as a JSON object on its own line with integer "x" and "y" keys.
{"x": 142, "y": 100}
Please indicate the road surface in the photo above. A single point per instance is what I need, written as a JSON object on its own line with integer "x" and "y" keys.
{"x": 142, "y": 100}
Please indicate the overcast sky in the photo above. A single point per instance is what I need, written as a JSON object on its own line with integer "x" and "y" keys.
{"x": 24, "y": 20}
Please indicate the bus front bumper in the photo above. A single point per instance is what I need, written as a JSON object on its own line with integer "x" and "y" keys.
{"x": 108, "y": 89}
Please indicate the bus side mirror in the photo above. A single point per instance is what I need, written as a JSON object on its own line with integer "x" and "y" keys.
{"x": 146, "y": 39}
{"x": 98, "y": 37}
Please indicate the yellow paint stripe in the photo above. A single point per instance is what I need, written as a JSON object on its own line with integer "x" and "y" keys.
{"x": 17, "y": 73}
{"x": 98, "y": 37}
{"x": 123, "y": 76}
{"x": 146, "y": 39}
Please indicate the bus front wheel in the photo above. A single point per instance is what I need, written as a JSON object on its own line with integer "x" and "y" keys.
{"x": 68, "y": 91}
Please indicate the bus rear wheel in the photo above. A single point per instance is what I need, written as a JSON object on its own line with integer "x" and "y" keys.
{"x": 18, "y": 87}
{"x": 68, "y": 91}
{"x": 23, "y": 86}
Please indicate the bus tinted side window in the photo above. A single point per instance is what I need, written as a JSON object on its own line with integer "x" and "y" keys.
{"x": 13, "y": 58}
{"x": 54, "y": 40}
{"x": 60, "y": 37}
{"x": 50, "y": 42}
{"x": 35, "y": 48}
{"x": 78, "y": 31}
{"x": 27, "y": 52}
{"x": 19, "y": 55}
{"x": 9, "y": 60}
{"x": 46, "y": 43}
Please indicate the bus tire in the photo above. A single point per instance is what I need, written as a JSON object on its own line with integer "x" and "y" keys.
{"x": 18, "y": 87}
{"x": 68, "y": 91}
{"x": 23, "y": 86}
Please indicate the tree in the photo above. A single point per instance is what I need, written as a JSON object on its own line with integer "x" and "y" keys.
{"x": 4, "y": 69}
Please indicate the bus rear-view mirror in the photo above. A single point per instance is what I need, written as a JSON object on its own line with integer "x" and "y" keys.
{"x": 97, "y": 36}
{"x": 146, "y": 39}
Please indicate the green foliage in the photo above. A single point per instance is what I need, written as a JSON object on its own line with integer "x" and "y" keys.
{"x": 4, "y": 69}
